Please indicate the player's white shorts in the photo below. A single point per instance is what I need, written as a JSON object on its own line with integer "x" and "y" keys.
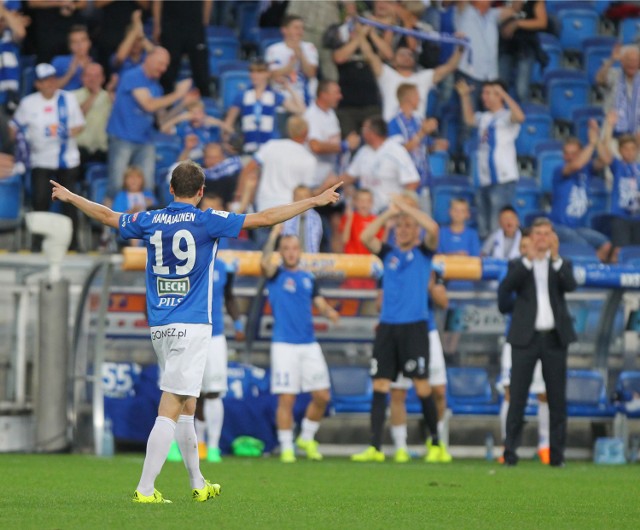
{"x": 437, "y": 368}
{"x": 182, "y": 355}
{"x": 537, "y": 383}
{"x": 298, "y": 368}
{"x": 215, "y": 371}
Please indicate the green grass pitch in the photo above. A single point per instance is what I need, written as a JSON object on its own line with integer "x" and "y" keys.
{"x": 85, "y": 492}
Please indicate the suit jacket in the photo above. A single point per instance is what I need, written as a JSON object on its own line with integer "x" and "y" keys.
{"x": 517, "y": 295}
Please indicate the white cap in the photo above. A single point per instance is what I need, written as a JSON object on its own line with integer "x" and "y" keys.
{"x": 44, "y": 70}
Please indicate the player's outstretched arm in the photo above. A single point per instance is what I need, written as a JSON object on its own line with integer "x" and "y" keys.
{"x": 325, "y": 309}
{"x": 94, "y": 210}
{"x": 267, "y": 266}
{"x": 279, "y": 214}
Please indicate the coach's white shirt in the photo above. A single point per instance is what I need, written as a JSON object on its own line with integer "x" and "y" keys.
{"x": 285, "y": 165}
{"x": 41, "y": 120}
{"x": 323, "y": 127}
{"x": 385, "y": 171}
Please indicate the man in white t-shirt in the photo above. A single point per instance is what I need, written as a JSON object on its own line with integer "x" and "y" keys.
{"x": 295, "y": 59}
{"x": 404, "y": 71}
{"x": 383, "y": 165}
{"x": 497, "y": 163}
{"x": 51, "y": 119}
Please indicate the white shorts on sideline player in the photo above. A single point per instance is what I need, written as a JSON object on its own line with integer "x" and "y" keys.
{"x": 297, "y": 368}
{"x": 215, "y": 371}
{"x": 437, "y": 368}
{"x": 537, "y": 383}
{"x": 182, "y": 354}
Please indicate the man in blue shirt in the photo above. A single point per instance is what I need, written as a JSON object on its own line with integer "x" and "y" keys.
{"x": 402, "y": 341}
{"x": 181, "y": 246}
{"x": 297, "y": 363}
{"x": 138, "y": 97}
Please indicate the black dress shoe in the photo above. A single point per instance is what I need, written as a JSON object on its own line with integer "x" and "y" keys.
{"x": 557, "y": 464}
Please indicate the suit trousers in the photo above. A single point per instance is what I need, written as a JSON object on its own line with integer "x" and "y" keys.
{"x": 553, "y": 355}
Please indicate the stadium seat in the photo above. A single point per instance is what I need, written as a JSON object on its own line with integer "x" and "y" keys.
{"x": 580, "y": 120}
{"x": 27, "y": 81}
{"x": 230, "y": 84}
{"x": 266, "y": 42}
{"x": 551, "y": 46}
{"x": 221, "y": 49}
{"x": 469, "y": 391}
{"x": 629, "y": 30}
{"x": 536, "y": 127}
{"x": 11, "y": 196}
{"x": 351, "y": 389}
{"x": 530, "y": 217}
{"x": 586, "y": 394}
{"x": 219, "y": 31}
{"x": 166, "y": 153}
{"x": 575, "y": 26}
{"x": 579, "y": 253}
{"x": 441, "y": 197}
{"x": 548, "y": 161}
{"x": 596, "y": 51}
{"x": 629, "y": 255}
{"x": 546, "y": 145}
{"x": 233, "y": 65}
{"x": 555, "y": 6}
{"x": 565, "y": 94}
{"x": 438, "y": 164}
{"x": 600, "y": 221}
{"x": 528, "y": 196}
{"x": 95, "y": 172}
{"x": 98, "y": 190}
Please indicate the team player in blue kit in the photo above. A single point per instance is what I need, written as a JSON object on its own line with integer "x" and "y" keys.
{"x": 297, "y": 363}
{"x": 181, "y": 244}
{"x": 402, "y": 341}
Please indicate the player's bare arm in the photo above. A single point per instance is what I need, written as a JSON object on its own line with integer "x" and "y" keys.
{"x": 325, "y": 309}
{"x": 368, "y": 236}
{"x": 266, "y": 262}
{"x": 96, "y": 211}
{"x": 279, "y": 214}
{"x": 423, "y": 219}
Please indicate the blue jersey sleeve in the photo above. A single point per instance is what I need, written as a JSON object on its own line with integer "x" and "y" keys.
{"x": 132, "y": 225}
{"x": 393, "y": 129}
{"x": 224, "y": 224}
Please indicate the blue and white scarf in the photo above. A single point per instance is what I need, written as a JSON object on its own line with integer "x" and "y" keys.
{"x": 628, "y": 109}
{"x": 63, "y": 129}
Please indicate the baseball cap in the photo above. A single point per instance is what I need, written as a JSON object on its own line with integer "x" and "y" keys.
{"x": 44, "y": 70}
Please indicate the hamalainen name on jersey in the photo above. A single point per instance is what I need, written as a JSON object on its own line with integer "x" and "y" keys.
{"x": 169, "y": 219}
{"x": 177, "y": 287}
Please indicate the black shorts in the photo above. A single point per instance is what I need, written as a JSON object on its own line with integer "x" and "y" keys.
{"x": 401, "y": 348}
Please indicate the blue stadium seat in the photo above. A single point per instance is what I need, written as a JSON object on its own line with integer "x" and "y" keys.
{"x": 166, "y": 153}
{"x": 628, "y": 390}
{"x": 586, "y": 394}
{"x": 629, "y": 30}
{"x": 566, "y": 94}
{"x": 351, "y": 389}
{"x": 266, "y": 42}
{"x": 546, "y": 145}
{"x": 438, "y": 164}
{"x": 219, "y": 31}
{"x": 629, "y": 255}
{"x": 10, "y": 202}
{"x": 576, "y": 26}
{"x": 601, "y": 5}
{"x": 95, "y": 172}
{"x": 98, "y": 190}
{"x": 27, "y": 81}
{"x": 600, "y": 221}
{"x": 548, "y": 161}
{"x": 530, "y": 217}
{"x": 579, "y": 253}
{"x": 580, "y": 120}
{"x": 441, "y": 197}
{"x": 469, "y": 391}
{"x": 453, "y": 179}
{"x": 233, "y": 65}
{"x": 594, "y": 56}
{"x": 528, "y": 196}
{"x": 554, "y": 6}
{"x": 551, "y": 46}
{"x": 221, "y": 49}
{"x": 230, "y": 84}
{"x": 535, "y": 127}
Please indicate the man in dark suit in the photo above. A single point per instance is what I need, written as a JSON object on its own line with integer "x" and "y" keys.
{"x": 541, "y": 328}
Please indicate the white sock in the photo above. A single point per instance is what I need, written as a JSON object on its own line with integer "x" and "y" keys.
{"x": 158, "y": 445}
{"x": 441, "y": 430}
{"x": 188, "y": 444}
{"x": 399, "y": 435}
{"x": 286, "y": 440}
{"x": 309, "y": 429}
{"x": 504, "y": 411}
{"x": 214, "y": 418}
{"x": 543, "y": 425}
{"x": 201, "y": 427}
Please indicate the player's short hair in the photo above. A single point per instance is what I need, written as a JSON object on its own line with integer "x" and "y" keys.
{"x": 377, "y": 125}
{"x": 625, "y": 139}
{"x": 187, "y": 179}
{"x": 288, "y": 19}
{"x": 404, "y": 89}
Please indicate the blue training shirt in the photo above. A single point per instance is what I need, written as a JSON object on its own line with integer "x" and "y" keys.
{"x": 406, "y": 283}
{"x": 291, "y": 294}
{"x": 570, "y": 201}
{"x": 181, "y": 242}
{"x": 451, "y": 242}
{"x": 624, "y": 192}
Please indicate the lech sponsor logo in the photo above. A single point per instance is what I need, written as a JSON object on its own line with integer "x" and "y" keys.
{"x": 177, "y": 287}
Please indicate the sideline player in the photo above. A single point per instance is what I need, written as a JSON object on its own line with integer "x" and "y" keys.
{"x": 181, "y": 246}
{"x": 297, "y": 363}
{"x": 437, "y": 380}
{"x": 402, "y": 341}
{"x": 537, "y": 387}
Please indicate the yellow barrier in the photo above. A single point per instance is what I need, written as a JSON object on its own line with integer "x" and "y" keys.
{"x": 323, "y": 265}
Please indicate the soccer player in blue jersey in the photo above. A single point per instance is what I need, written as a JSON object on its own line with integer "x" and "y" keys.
{"x": 297, "y": 363}
{"x": 181, "y": 246}
{"x": 402, "y": 340}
